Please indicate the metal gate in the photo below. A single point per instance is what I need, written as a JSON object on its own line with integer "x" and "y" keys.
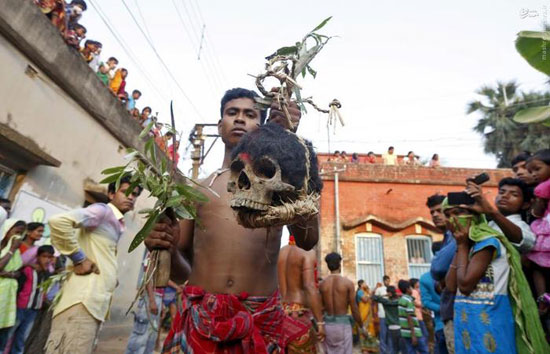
{"x": 369, "y": 258}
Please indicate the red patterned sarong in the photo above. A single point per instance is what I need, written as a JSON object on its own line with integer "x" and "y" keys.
{"x": 224, "y": 323}
{"x": 306, "y": 343}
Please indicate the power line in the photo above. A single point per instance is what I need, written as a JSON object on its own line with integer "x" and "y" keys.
{"x": 127, "y": 49}
{"x": 162, "y": 62}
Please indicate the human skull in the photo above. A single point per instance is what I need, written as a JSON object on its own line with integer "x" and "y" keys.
{"x": 269, "y": 178}
{"x": 253, "y": 183}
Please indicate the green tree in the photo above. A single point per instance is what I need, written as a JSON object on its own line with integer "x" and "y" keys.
{"x": 502, "y": 136}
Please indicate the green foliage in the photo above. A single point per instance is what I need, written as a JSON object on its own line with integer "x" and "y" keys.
{"x": 534, "y": 48}
{"x": 159, "y": 181}
{"x": 503, "y": 137}
{"x": 534, "y": 115}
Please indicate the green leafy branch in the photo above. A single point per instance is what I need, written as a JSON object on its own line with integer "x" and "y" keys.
{"x": 286, "y": 64}
{"x": 156, "y": 175}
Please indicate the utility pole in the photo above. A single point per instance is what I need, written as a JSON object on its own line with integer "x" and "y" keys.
{"x": 197, "y": 137}
{"x": 336, "y": 172}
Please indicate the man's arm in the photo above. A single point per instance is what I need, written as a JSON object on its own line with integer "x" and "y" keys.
{"x": 65, "y": 240}
{"x": 312, "y": 294}
{"x": 469, "y": 272}
{"x": 177, "y": 237}
{"x": 353, "y": 304}
{"x": 426, "y": 295}
{"x": 410, "y": 322}
{"x": 306, "y": 233}
{"x": 442, "y": 260}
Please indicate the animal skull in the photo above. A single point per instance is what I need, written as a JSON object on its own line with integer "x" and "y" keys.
{"x": 254, "y": 183}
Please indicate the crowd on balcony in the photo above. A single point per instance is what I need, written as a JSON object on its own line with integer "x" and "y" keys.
{"x": 66, "y": 18}
{"x": 389, "y": 158}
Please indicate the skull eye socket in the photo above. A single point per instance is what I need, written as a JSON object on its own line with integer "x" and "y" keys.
{"x": 236, "y": 166}
{"x": 265, "y": 168}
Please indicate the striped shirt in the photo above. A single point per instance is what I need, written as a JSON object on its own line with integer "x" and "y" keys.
{"x": 405, "y": 309}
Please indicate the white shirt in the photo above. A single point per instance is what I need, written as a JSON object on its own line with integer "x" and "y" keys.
{"x": 528, "y": 241}
{"x": 3, "y": 215}
{"x": 381, "y": 292}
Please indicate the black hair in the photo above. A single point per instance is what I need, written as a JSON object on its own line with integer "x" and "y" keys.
{"x": 403, "y": 285}
{"x": 78, "y": 26}
{"x": 126, "y": 179}
{"x": 124, "y": 69}
{"x": 336, "y": 151}
{"x": 333, "y": 260}
{"x": 34, "y": 225}
{"x": 413, "y": 282}
{"x": 541, "y": 155}
{"x": 436, "y": 246}
{"x": 82, "y": 4}
{"x": 147, "y": 107}
{"x": 5, "y": 200}
{"x": 113, "y": 59}
{"x": 239, "y": 92}
{"x": 391, "y": 289}
{"x": 391, "y": 148}
{"x": 19, "y": 223}
{"x": 360, "y": 282}
{"x": 434, "y": 156}
{"x": 99, "y": 44}
{"x": 521, "y": 157}
{"x": 344, "y": 152}
{"x": 45, "y": 249}
{"x": 434, "y": 200}
{"x": 410, "y": 152}
{"x": 354, "y": 154}
{"x": 273, "y": 140}
{"x": 136, "y": 91}
{"x": 385, "y": 277}
{"x": 525, "y": 189}
{"x": 370, "y": 152}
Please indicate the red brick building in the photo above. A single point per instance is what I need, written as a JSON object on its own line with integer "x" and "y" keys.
{"x": 385, "y": 226}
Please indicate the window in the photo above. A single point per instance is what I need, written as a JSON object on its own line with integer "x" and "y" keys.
{"x": 419, "y": 255}
{"x": 7, "y": 178}
{"x": 369, "y": 257}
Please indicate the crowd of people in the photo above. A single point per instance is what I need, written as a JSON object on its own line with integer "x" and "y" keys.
{"x": 66, "y": 18}
{"x": 486, "y": 291}
{"x": 388, "y": 158}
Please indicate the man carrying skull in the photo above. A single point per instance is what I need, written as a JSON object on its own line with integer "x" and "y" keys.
{"x": 231, "y": 302}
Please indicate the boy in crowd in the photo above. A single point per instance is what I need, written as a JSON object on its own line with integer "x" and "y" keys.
{"x": 75, "y": 36}
{"x": 391, "y": 313}
{"x": 338, "y": 294}
{"x": 31, "y": 296}
{"x": 415, "y": 342}
{"x": 520, "y": 169}
{"x": 136, "y": 94}
{"x": 104, "y": 71}
{"x": 89, "y": 238}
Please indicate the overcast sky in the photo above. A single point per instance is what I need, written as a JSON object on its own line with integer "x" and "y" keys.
{"x": 404, "y": 71}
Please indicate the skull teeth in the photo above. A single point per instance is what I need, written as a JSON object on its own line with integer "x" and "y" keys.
{"x": 247, "y": 203}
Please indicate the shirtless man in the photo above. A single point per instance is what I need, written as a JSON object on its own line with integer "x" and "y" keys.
{"x": 338, "y": 294}
{"x": 231, "y": 302}
{"x": 299, "y": 294}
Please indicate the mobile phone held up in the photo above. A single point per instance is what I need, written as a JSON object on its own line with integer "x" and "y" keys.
{"x": 463, "y": 198}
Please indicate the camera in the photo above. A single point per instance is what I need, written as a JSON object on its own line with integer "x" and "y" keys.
{"x": 458, "y": 198}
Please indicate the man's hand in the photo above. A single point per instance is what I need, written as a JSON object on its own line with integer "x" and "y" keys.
{"x": 460, "y": 232}
{"x": 414, "y": 340}
{"x": 277, "y": 115}
{"x": 153, "y": 308}
{"x": 15, "y": 243}
{"x": 321, "y": 333}
{"x": 481, "y": 205}
{"x": 86, "y": 267}
{"x": 163, "y": 236}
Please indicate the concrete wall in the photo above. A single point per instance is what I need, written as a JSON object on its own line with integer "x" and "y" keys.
{"x": 66, "y": 111}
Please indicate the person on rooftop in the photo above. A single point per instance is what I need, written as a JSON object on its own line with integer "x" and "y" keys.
{"x": 390, "y": 158}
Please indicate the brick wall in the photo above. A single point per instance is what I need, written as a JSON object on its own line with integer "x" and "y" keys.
{"x": 389, "y": 201}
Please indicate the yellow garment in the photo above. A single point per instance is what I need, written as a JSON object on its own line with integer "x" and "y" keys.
{"x": 116, "y": 81}
{"x": 389, "y": 159}
{"x": 94, "y": 291}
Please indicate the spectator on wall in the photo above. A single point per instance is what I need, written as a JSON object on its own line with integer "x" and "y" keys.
{"x": 105, "y": 69}
{"x": 136, "y": 94}
{"x": 434, "y": 162}
{"x": 371, "y": 158}
{"x": 75, "y": 35}
{"x": 390, "y": 158}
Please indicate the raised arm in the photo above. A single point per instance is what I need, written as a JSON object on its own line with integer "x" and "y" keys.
{"x": 306, "y": 233}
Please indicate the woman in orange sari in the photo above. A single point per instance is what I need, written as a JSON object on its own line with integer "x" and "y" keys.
{"x": 367, "y": 338}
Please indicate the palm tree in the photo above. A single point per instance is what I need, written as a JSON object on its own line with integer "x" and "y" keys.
{"x": 502, "y": 136}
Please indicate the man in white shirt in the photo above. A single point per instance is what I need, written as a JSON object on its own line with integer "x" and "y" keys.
{"x": 5, "y": 209}
{"x": 514, "y": 197}
{"x": 382, "y": 291}
{"x": 390, "y": 158}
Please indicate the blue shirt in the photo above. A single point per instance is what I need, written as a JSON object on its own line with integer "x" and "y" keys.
{"x": 131, "y": 104}
{"x": 430, "y": 298}
{"x": 443, "y": 259}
